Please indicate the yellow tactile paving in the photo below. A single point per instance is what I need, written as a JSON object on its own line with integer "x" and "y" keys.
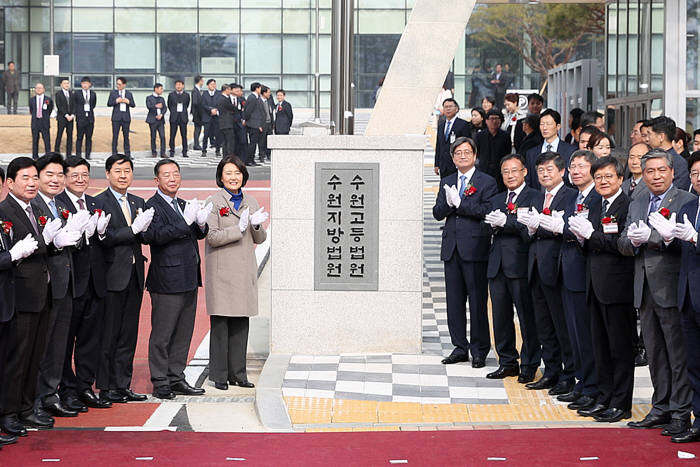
{"x": 399, "y": 412}
{"x": 440, "y": 413}
{"x": 350, "y": 411}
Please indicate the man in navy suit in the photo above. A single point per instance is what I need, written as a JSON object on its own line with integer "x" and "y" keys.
{"x": 550, "y": 124}
{"x": 545, "y": 278}
{"x": 65, "y": 114}
{"x": 178, "y": 102}
{"x": 686, "y": 230}
{"x": 661, "y": 131}
{"x": 463, "y": 200}
{"x": 85, "y": 102}
{"x": 447, "y": 133}
{"x": 283, "y": 114}
{"x": 210, "y": 118}
{"x": 173, "y": 279}
{"x": 155, "y": 103}
{"x": 40, "y": 107}
{"x": 120, "y": 100}
{"x": 241, "y": 136}
{"x": 124, "y": 277}
{"x": 507, "y": 274}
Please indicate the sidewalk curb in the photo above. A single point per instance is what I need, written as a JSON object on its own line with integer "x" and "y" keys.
{"x": 269, "y": 404}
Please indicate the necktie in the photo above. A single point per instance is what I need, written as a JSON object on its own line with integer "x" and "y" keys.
{"x": 448, "y": 127}
{"x": 126, "y": 210}
{"x": 579, "y": 198}
{"x": 81, "y": 204}
{"x": 633, "y": 185}
{"x": 697, "y": 219}
{"x": 32, "y": 219}
{"x": 547, "y": 200}
{"x": 511, "y": 196}
{"x": 39, "y": 109}
{"x": 52, "y": 206}
{"x": 463, "y": 184}
{"x": 549, "y": 147}
{"x": 606, "y": 203}
{"x": 654, "y": 205}
{"x": 86, "y": 96}
{"x": 176, "y": 207}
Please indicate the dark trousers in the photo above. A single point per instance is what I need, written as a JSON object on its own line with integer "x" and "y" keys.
{"x": 51, "y": 367}
{"x": 84, "y": 131}
{"x": 552, "y": 331}
{"x": 157, "y": 128}
{"x": 667, "y": 358}
{"x": 505, "y": 293}
{"x": 228, "y": 344}
{"x": 612, "y": 327}
{"x": 84, "y": 339}
{"x": 45, "y": 135}
{"x": 174, "y": 127}
{"x": 578, "y": 322}
{"x": 197, "y": 130}
{"x": 264, "y": 151}
{"x": 172, "y": 323}
{"x": 124, "y": 127}
{"x": 211, "y": 134}
{"x": 690, "y": 324}
{"x": 4, "y": 341}
{"x": 25, "y": 349}
{"x": 241, "y": 147}
{"x": 64, "y": 124}
{"x": 254, "y": 136}
{"x": 12, "y": 102}
{"x": 229, "y": 141}
{"x": 121, "y": 329}
{"x": 467, "y": 280}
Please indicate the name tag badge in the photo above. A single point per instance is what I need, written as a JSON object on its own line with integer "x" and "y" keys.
{"x": 86, "y": 107}
{"x": 179, "y": 107}
{"x": 583, "y": 213}
{"x": 610, "y": 228}
{"x": 522, "y": 211}
{"x": 45, "y": 106}
{"x": 122, "y": 107}
{"x": 452, "y": 138}
{"x": 239, "y": 106}
{"x": 157, "y": 111}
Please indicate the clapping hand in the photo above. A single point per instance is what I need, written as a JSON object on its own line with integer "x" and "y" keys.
{"x": 553, "y": 223}
{"x": 51, "y": 229}
{"x": 685, "y": 230}
{"x": 531, "y": 219}
{"x": 258, "y": 217}
{"x": 92, "y": 225}
{"x": 448, "y": 195}
{"x": 581, "y": 227}
{"x": 638, "y": 233}
{"x": 24, "y": 248}
{"x": 203, "y": 214}
{"x": 496, "y": 218}
{"x": 245, "y": 220}
{"x": 102, "y": 222}
{"x": 662, "y": 225}
{"x": 142, "y": 221}
{"x": 190, "y": 211}
{"x": 78, "y": 222}
{"x": 66, "y": 237}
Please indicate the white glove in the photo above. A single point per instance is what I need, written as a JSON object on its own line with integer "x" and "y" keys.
{"x": 581, "y": 227}
{"x": 685, "y": 230}
{"x": 448, "y": 195}
{"x": 496, "y": 218}
{"x": 245, "y": 219}
{"x": 24, "y": 248}
{"x": 553, "y": 223}
{"x": 102, "y": 223}
{"x": 51, "y": 229}
{"x": 66, "y": 237}
{"x": 258, "y": 217}
{"x": 662, "y": 225}
{"x": 91, "y": 226}
{"x": 190, "y": 211}
{"x": 454, "y": 194}
{"x": 639, "y": 233}
{"x": 203, "y": 214}
{"x": 78, "y": 222}
{"x": 142, "y": 221}
{"x": 531, "y": 219}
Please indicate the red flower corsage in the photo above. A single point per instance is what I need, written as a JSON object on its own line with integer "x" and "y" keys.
{"x": 224, "y": 211}
{"x": 471, "y": 189}
{"x": 43, "y": 220}
{"x": 6, "y": 226}
{"x": 546, "y": 212}
{"x": 665, "y": 212}
{"x": 65, "y": 213}
{"x": 98, "y": 212}
{"x": 580, "y": 207}
{"x": 512, "y": 208}
{"x": 608, "y": 220}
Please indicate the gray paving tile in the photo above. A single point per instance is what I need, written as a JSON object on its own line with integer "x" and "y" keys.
{"x": 405, "y": 390}
{"x": 438, "y": 369}
{"x": 299, "y": 367}
{"x": 351, "y": 376}
{"x": 405, "y": 368}
{"x": 386, "y": 358}
{"x": 434, "y": 391}
{"x": 353, "y": 359}
{"x": 324, "y": 367}
{"x": 378, "y": 377}
{"x": 325, "y": 385}
{"x": 294, "y": 383}
{"x": 462, "y": 381}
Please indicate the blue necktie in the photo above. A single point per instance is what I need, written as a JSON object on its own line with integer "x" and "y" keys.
{"x": 579, "y": 198}
{"x": 176, "y": 207}
{"x": 448, "y": 127}
{"x": 654, "y": 205}
{"x": 462, "y": 185}
{"x": 52, "y": 206}
{"x": 697, "y": 219}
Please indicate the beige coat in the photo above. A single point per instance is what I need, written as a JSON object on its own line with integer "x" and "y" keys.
{"x": 231, "y": 269}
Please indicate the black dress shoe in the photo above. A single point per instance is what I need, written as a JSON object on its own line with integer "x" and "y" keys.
{"x": 572, "y": 396}
{"x": 89, "y": 398}
{"x": 243, "y": 384}
{"x": 676, "y": 427}
{"x": 612, "y": 415}
{"x": 544, "y": 382}
{"x": 59, "y": 410}
{"x": 113, "y": 397}
{"x": 131, "y": 396}
{"x": 10, "y": 424}
{"x": 593, "y": 410}
{"x": 184, "y": 154}
{"x": 651, "y": 421}
{"x": 33, "y": 421}
{"x": 561, "y": 388}
{"x": 252, "y": 164}
{"x": 197, "y": 148}
{"x": 204, "y": 153}
{"x": 43, "y": 415}
{"x": 221, "y": 386}
{"x": 503, "y": 371}
{"x": 583, "y": 402}
{"x": 163, "y": 392}
{"x": 689, "y": 436}
{"x": 181, "y": 387}
{"x": 478, "y": 362}
{"x": 641, "y": 358}
{"x": 7, "y": 439}
{"x": 73, "y": 403}
{"x": 455, "y": 358}
{"x": 525, "y": 377}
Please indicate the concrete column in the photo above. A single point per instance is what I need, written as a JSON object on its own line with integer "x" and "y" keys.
{"x": 675, "y": 67}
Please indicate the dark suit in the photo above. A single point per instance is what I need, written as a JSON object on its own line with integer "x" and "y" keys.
{"x": 28, "y": 327}
{"x": 689, "y": 305}
{"x": 507, "y": 274}
{"x": 174, "y": 276}
{"x": 7, "y": 304}
{"x": 681, "y": 176}
{"x": 563, "y": 149}
{"x": 211, "y": 122}
{"x": 196, "y": 116}
{"x": 121, "y": 119}
{"x": 443, "y": 158}
{"x": 178, "y": 120}
{"x": 241, "y": 146}
{"x": 544, "y": 275}
{"x": 41, "y": 126}
{"x": 125, "y": 278}
{"x": 491, "y": 149}
{"x": 156, "y": 125}
{"x": 528, "y": 142}
{"x": 609, "y": 293}
{"x": 269, "y": 107}
{"x": 64, "y": 106}
{"x": 85, "y": 333}
{"x": 639, "y": 189}
{"x": 84, "y": 120}
{"x": 656, "y": 270}
{"x": 254, "y": 116}
{"x": 572, "y": 261}
{"x": 283, "y": 118}
{"x": 464, "y": 250}
{"x": 227, "y": 123}
{"x": 499, "y": 89}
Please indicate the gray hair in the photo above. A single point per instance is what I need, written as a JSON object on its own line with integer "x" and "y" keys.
{"x": 657, "y": 154}
{"x": 460, "y": 141}
{"x": 585, "y": 153}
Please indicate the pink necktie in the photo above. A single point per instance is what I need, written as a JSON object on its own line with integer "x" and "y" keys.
{"x": 548, "y": 200}
{"x": 39, "y": 109}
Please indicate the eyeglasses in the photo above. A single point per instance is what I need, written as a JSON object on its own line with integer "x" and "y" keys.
{"x": 606, "y": 177}
{"x": 508, "y": 172}
{"x": 694, "y": 174}
{"x": 549, "y": 170}
{"x": 580, "y": 166}
{"x": 463, "y": 153}
{"x": 79, "y": 176}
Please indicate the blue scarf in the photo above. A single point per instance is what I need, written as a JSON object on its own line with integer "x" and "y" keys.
{"x": 236, "y": 198}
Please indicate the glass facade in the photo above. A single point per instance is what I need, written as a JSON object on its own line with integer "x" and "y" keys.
{"x": 692, "y": 76}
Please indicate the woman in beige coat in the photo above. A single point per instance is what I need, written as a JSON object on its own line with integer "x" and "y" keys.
{"x": 235, "y": 226}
